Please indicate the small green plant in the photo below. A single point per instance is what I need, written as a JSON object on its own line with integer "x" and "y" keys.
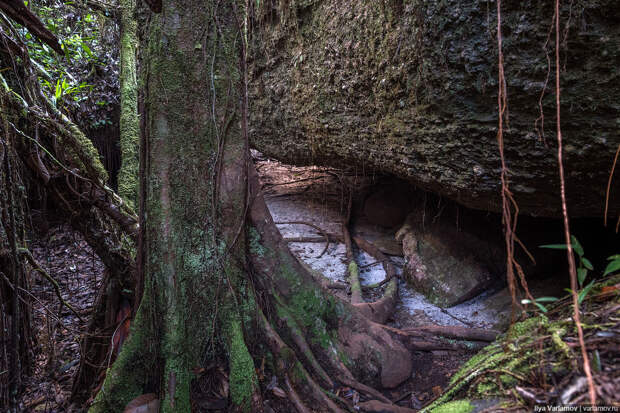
{"x": 538, "y": 302}
{"x": 584, "y": 264}
{"x": 582, "y": 273}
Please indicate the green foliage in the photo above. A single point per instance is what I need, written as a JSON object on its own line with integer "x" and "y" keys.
{"x": 584, "y": 264}
{"x": 582, "y": 272}
{"x": 614, "y": 264}
{"x": 538, "y": 302}
{"x": 84, "y": 79}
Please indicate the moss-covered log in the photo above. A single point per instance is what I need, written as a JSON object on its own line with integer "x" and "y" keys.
{"x": 410, "y": 88}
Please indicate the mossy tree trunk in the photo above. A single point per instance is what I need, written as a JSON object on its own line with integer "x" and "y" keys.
{"x": 129, "y": 124}
{"x": 219, "y": 282}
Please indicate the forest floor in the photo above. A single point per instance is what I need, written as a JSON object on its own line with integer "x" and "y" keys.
{"x": 66, "y": 256}
{"x": 301, "y": 194}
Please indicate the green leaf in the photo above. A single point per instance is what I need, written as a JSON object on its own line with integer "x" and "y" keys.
{"x": 87, "y": 50}
{"x": 596, "y": 362}
{"x": 576, "y": 245}
{"x": 554, "y": 246}
{"x": 612, "y": 267}
{"x": 546, "y": 299}
{"x": 582, "y": 273}
{"x": 537, "y": 302}
{"x": 584, "y": 292}
{"x": 586, "y": 263}
{"x": 542, "y": 307}
{"x": 614, "y": 257}
{"x": 58, "y": 91}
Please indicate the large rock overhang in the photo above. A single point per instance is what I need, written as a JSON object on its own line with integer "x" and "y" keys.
{"x": 410, "y": 88}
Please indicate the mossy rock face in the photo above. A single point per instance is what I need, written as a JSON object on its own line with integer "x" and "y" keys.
{"x": 410, "y": 88}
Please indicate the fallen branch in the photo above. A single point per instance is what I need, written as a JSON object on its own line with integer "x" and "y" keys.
{"x": 353, "y": 276}
{"x": 456, "y": 332}
{"x": 325, "y": 237}
{"x": 25, "y": 252}
{"x": 332, "y": 238}
{"x": 419, "y": 340}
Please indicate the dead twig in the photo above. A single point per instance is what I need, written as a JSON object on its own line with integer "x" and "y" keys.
{"x": 611, "y": 175}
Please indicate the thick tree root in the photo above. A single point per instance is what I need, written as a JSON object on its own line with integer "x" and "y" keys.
{"x": 302, "y": 345}
{"x": 289, "y": 367}
{"x": 338, "y": 334}
{"x": 362, "y": 388}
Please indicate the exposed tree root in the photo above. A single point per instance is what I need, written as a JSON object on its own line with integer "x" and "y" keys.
{"x": 289, "y": 366}
{"x": 372, "y": 393}
{"x": 380, "y": 310}
{"x": 456, "y": 332}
